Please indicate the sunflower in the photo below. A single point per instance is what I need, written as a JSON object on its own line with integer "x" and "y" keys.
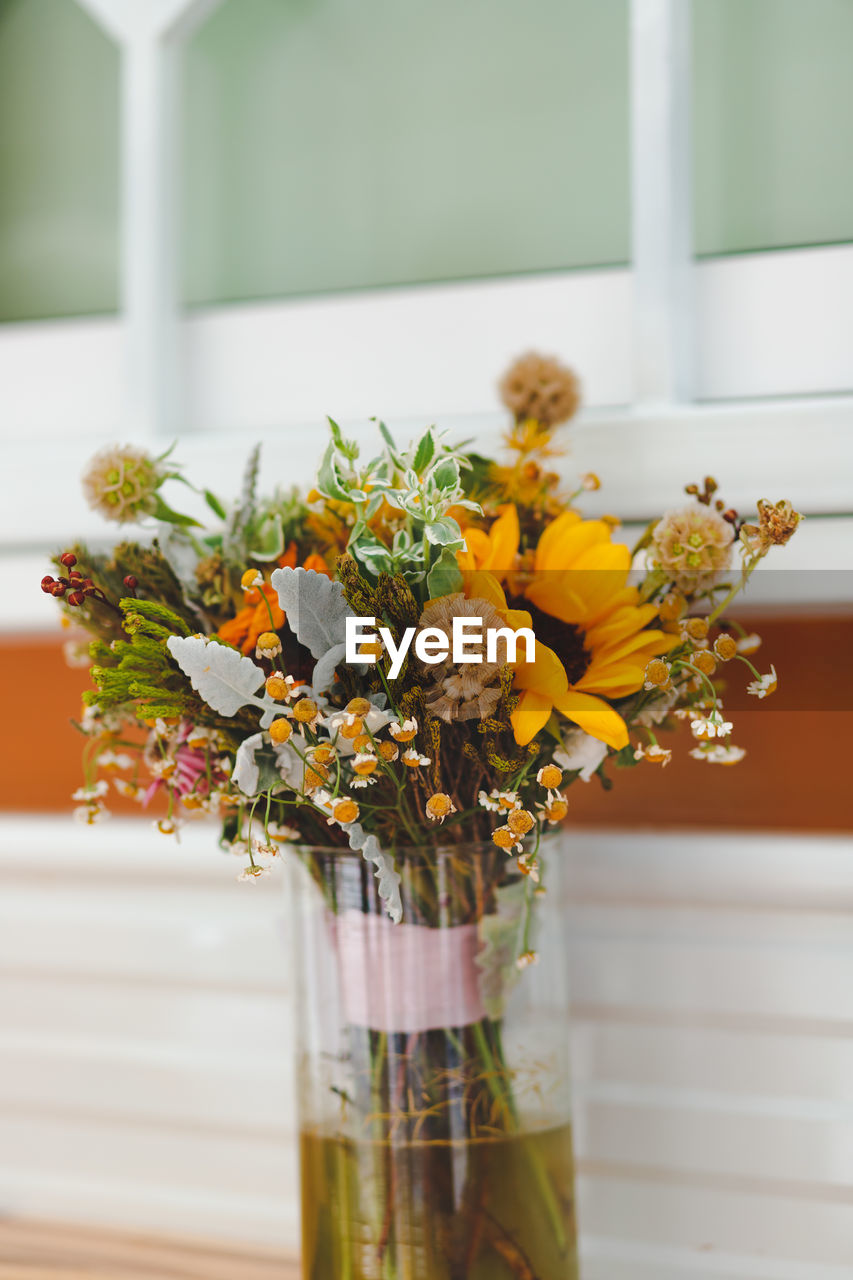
{"x": 592, "y": 641}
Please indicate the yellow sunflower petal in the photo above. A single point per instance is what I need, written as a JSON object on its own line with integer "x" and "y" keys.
{"x": 480, "y": 585}
{"x": 630, "y": 645}
{"x": 612, "y": 684}
{"x": 504, "y": 537}
{"x": 545, "y": 675}
{"x": 623, "y": 621}
{"x": 552, "y": 535}
{"x": 595, "y": 717}
{"x": 565, "y": 539}
{"x": 610, "y": 557}
{"x": 532, "y": 714}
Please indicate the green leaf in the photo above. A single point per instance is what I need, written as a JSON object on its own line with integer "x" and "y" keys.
{"x": 445, "y": 576}
{"x": 214, "y": 504}
{"x": 425, "y": 451}
{"x": 329, "y": 480}
{"x": 444, "y": 533}
{"x": 268, "y": 539}
{"x": 446, "y": 474}
{"x": 168, "y": 516}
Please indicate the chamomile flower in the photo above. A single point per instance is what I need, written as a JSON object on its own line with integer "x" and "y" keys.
{"x": 554, "y": 810}
{"x": 253, "y": 871}
{"x": 749, "y": 644}
{"x": 113, "y": 762}
{"x": 520, "y": 822}
{"x": 364, "y": 764}
{"x": 282, "y": 833}
{"x": 439, "y": 806}
{"x": 710, "y": 726}
{"x": 412, "y": 759}
{"x": 268, "y": 645}
{"x": 654, "y": 753}
{"x": 526, "y": 959}
{"x": 500, "y": 801}
{"x": 91, "y": 813}
{"x": 718, "y": 754}
{"x": 528, "y": 866}
{"x": 550, "y": 777}
{"x": 403, "y": 731}
{"x": 506, "y": 839}
{"x": 764, "y": 685}
{"x": 91, "y": 794}
{"x": 344, "y": 810}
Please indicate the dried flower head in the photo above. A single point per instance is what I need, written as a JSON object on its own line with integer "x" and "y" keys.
{"x": 777, "y": 524}
{"x": 541, "y": 388}
{"x": 121, "y": 483}
{"x": 470, "y": 691}
{"x": 268, "y": 646}
{"x": 692, "y": 546}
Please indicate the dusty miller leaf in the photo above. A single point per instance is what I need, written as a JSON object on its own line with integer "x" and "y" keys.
{"x": 223, "y": 677}
{"x": 315, "y": 608}
{"x": 386, "y": 874}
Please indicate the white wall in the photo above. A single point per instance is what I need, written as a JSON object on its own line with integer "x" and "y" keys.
{"x": 144, "y": 1045}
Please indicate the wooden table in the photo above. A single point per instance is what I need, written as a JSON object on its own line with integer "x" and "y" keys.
{"x": 45, "y": 1251}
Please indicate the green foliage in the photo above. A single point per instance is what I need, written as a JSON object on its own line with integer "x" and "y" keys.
{"x": 421, "y": 484}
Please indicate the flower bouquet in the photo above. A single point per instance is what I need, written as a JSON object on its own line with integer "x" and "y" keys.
{"x": 399, "y": 676}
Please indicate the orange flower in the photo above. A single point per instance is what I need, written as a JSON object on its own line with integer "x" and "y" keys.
{"x": 243, "y": 629}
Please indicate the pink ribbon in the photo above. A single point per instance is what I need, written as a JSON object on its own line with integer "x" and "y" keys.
{"x": 406, "y": 977}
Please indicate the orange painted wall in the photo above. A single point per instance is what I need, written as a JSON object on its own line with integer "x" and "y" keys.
{"x": 795, "y": 777}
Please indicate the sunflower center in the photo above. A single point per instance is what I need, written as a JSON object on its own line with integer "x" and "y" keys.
{"x": 564, "y": 638}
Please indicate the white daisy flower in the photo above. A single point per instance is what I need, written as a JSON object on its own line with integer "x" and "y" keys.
{"x": 764, "y": 685}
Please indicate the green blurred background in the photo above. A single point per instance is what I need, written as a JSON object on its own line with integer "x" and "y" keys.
{"x": 336, "y": 144}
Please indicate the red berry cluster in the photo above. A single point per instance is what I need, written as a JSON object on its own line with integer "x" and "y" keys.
{"x": 74, "y": 588}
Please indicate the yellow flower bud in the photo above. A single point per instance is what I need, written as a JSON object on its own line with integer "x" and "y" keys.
{"x": 345, "y": 810}
{"x": 696, "y": 628}
{"x": 549, "y": 776}
{"x": 725, "y": 647}
{"x": 358, "y": 707}
{"x": 280, "y": 730}
{"x": 520, "y": 821}
{"x": 305, "y": 710}
{"x": 277, "y": 687}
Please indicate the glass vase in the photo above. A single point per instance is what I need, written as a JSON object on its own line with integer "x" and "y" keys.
{"x": 432, "y": 1069}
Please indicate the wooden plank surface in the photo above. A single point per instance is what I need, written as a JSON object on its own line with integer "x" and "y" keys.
{"x": 44, "y": 1251}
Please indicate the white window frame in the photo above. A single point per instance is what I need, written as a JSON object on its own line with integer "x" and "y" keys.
{"x": 686, "y": 365}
